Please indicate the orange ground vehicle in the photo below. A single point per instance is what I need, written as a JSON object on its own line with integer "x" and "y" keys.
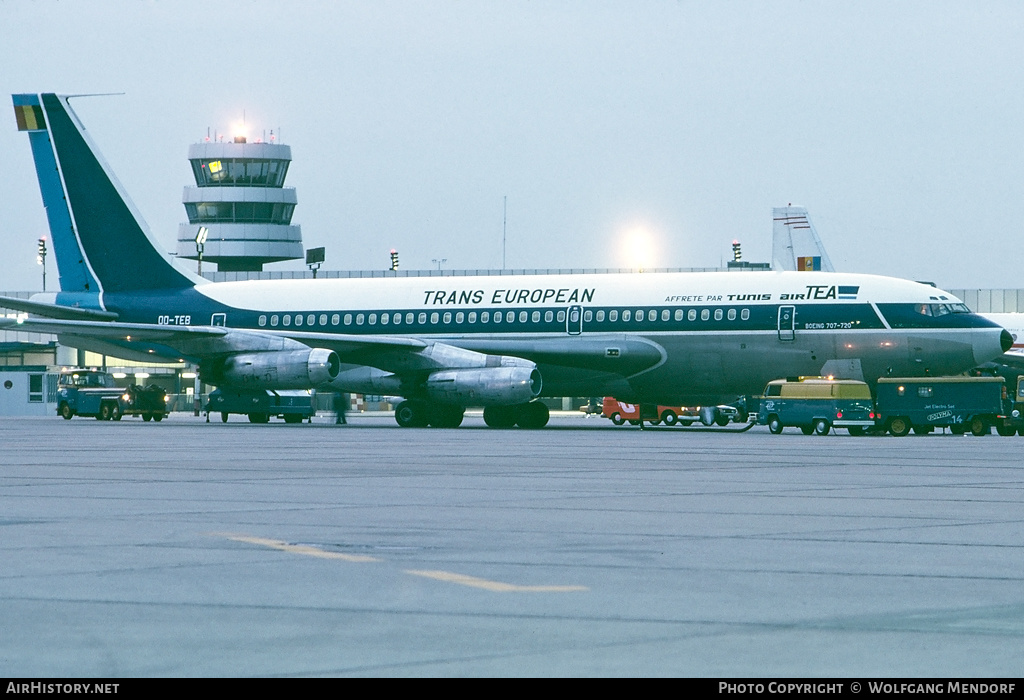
{"x": 620, "y": 411}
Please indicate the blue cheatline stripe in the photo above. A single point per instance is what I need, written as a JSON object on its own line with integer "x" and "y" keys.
{"x": 73, "y": 272}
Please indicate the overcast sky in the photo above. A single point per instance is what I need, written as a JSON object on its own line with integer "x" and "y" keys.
{"x": 899, "y": 125}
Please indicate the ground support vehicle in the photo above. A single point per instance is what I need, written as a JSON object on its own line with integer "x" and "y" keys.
{"x": 620, "y": 412}
{"x": 922, "y": 404}
{"x": 292, "y": 405}
{"x": 816, "y": 405}
{"x": 1013, "y": 421}
{"x": 92, "y": 393}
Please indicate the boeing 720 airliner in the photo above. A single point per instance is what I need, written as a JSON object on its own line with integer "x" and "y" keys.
{"x": 445, "y": 343}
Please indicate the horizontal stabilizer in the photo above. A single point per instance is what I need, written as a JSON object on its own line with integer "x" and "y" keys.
{"x": 69, "y": 313}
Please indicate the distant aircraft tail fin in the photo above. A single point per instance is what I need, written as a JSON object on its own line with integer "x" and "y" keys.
{"x": 795, "y": 243}
{"x": 99, "y": 239}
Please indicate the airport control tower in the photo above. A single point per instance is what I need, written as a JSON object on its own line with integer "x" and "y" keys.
{"x": 241, "y": 202}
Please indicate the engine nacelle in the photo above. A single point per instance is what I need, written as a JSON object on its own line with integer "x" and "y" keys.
{"x": 487, "y": 386}
{"x": 287, "y": 369}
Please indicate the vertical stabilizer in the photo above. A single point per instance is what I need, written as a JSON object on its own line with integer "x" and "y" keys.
{"x": 795, "y": 243}
{"x": 100, "y": 241}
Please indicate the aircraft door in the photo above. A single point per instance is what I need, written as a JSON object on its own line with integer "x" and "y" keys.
{"x": 574, "y": 320}
{"x": 218, "y": 320}
{"x": 787, "y": 323}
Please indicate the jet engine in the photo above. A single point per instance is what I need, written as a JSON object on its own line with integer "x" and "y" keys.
{"x": 288, "y": 369}
{"x": 487, "y": 386}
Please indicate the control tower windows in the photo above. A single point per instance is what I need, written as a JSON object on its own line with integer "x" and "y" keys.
{"x": 239, "y": 212}
{"x": 239, "y": 171}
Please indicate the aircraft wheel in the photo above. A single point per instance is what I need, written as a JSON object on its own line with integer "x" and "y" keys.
{"x": 411, "y": 414}
{"x": 899, "y": 426}
{"x": 292, "y": 418}
{"x": 821, "y": 427}
{"x": 533, "y": 415}
{"x": 158, "y": 417}
{"x": 980, "y": 426}
{"x": 774, "y": 425}
{"x": 1006, "y": 430}
{"x": 669, "y": 417}
{"x": 722, "y": 421}
{"x": 505, "y": 417}
{"x": 617, "y": 419}
{"x": 65, "y": 412}
{"x": 259, "y": 418}
{"x": 224, "y": 417}
{"x": 442, "y": 416}
{"x": 147, "y": 417}
{"x": 807, "y": 429}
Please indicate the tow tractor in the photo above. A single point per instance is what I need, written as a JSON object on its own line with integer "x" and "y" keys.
{"x": 92, "y": 393}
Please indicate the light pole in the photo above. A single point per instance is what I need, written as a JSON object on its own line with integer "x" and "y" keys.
{"x": 439, "y": 262}
{"x": 200, "y": 245}
{"x": 41, "y": 258}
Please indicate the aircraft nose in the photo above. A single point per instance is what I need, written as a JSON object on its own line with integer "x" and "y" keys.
{"x": 1006, "y": 340}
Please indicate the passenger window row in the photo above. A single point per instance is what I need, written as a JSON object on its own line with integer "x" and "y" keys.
{"x": 422, "y": 318}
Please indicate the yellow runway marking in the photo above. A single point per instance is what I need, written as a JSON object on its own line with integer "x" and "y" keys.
{"x": 307, "y": 550}
{"x": 495, "y": 586}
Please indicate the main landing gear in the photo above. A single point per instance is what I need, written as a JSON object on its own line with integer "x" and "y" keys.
{"x": 419, "y": 414}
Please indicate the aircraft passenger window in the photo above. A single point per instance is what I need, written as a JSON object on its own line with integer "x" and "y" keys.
{"x": 665, "y": 313}
{"x": 600, "y": 315}
{"x": 348, "y": 319}
{"x": 263, "y": 320}
{"x": 560, "y": 317}
{"x": 323, "y": 319}
{"x": 447, "y": 316}
{"x": 472, "y": 317}
{"x": 679, "y": 315}
{"x": 384, "y": 319}
{"x": 626, "y": 314}
{"x": 705, "y": 314}
{"x": 535, "y": 317}
{"x": 639, "y": 315}
{"x": 359, "y": 319}
{"x": 287, "y": 320}
{"x": 298, "y": 319}
{"x": 311, "y": 320}
{"x": 409, "y": 318}
{"x": 460, "y": 317}
{"x": 397, "y": 318}
{"x": 485, "y": 316}
{"x": 745, "y": 315}
{"x": 510, "y": 316}
{"x": 732, "y": 314}
{"x": 273, "y": 320}
{"x": 372, "y": 319}
{"x": 588, "y": 315}
{"x": 434, "y": 317}
{"x": 335, "y": 319}
{"x": 718, "y": 314}
{"x": 523, "y": 316}
{"x": 613, "y": 315}
{"x": 497, "y": 317}
{"x": 549, "y": 315}
{"x": 691, "y": 315}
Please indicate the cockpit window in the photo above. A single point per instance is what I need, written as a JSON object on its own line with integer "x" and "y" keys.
{"x": 941, "y": 309}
